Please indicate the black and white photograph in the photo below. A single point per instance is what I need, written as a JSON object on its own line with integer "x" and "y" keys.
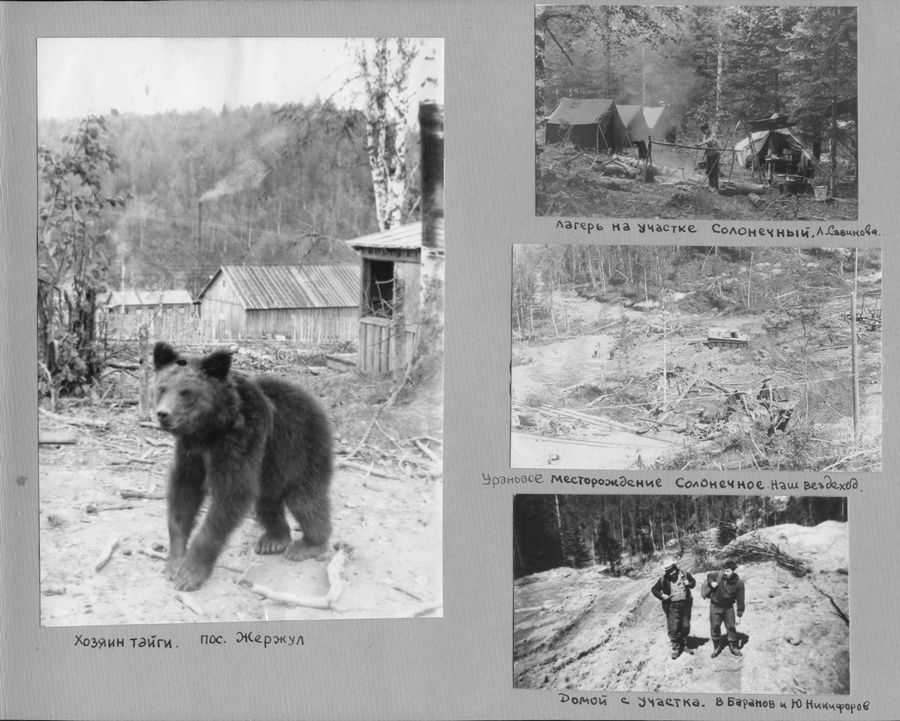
{"x": 696, "y": 357}
{"x": 717, "y": 112}
{"x": 686, "y": 594}
{"x": 268, "y": 451}
{"x": 240, "y": 329}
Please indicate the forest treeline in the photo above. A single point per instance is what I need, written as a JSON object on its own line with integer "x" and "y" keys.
{"x": 721, "y": 64}
{"x": 621, "y": 532}
{"x": 277, "y": 185}
{"x": 729, "y": 279}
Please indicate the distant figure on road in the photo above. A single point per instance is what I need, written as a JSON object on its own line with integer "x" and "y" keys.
{"x": 711, "y": 143}
{"x": 726, "y": 591}
{"x": 674, "y": 590}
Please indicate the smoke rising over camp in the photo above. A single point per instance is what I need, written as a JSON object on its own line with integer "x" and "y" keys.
{"x": 251, "y": 170}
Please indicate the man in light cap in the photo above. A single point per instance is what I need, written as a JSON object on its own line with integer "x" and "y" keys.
{"x": 674, "y": 590}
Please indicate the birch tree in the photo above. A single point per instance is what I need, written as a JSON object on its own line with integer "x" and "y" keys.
{"x": 385, "y": 65}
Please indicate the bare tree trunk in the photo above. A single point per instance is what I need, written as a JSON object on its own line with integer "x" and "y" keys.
{"x": 385, "y": 72}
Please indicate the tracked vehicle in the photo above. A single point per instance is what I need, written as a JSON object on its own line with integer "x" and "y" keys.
{"x": 725, "y": 338}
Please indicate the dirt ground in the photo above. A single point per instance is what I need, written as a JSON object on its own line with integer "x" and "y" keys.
{"x": 584, "y": 630}
{"x": 387, "y": 518}
{"x": 544, "y": 374}
{"x": 567, "y": 186}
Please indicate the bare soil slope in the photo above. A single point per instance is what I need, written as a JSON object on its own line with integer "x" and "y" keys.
{"x": 563, "y": 374}
{"x": 584, "y": 630}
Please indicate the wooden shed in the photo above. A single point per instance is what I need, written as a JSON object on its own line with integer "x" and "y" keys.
{"x": 390, "y": 296}
{"x": 308, "y": 304}
{"x": 138, "y": 302}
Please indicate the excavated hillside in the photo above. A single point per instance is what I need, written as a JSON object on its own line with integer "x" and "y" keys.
{"x": 587, "y": 631}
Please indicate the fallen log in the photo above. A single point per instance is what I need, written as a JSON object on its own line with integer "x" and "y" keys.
{"x": 615, "y": 184}
{"x": 56, "y": 438}
{"x": 743, "y": 188}
{"x": 90, "y": 422}
{"x": 106, "y": 553}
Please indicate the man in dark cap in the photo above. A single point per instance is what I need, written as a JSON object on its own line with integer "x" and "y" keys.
{"x": 673, "y": 588}
{"x": 727, "y": 591}
{"x": 711, "y": 143}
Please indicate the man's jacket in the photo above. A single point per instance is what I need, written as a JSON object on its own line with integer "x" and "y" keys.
{"x": 663, "y": 586}
{"x": 728, "y": 592}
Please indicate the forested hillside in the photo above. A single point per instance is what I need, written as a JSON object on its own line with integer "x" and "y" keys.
{"x": 620, "y": 532}
{"x": 696, "y": 357}
{"x": 788, "y": 70}
{"x": 721, "y": 64}
{"x": 245, "y": 185}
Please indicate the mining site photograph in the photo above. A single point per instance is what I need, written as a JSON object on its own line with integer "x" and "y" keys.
{"x": 681, "y": 594}
{"x": 696, "y": 357}
{"x": 696, "y": 112}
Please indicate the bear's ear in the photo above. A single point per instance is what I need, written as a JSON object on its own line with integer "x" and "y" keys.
{"x": 163, "y": 355}
{"x": 217, "y": 364}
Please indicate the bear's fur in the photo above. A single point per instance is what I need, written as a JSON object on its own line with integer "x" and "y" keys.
{"x": 248, "y": 442}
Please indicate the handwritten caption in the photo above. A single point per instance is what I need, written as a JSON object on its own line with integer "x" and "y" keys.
{"x": 826, "y": 484}
{"x": 718, "y": 701}
{"x": 207, "y": 639}
{"x": 740, "y": 231}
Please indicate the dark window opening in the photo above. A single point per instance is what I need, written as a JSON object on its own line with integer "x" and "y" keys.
{"x": 380, "y": 288}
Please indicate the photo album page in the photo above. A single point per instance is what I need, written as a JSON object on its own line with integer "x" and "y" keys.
{"x": 407, "y": 359}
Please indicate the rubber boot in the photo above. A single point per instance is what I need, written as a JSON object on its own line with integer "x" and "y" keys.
{"x": 732, "y": 645}
{"x": 718, "y": 645}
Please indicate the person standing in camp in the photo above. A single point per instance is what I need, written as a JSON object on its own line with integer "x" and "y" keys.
{"x": 711, "y": 143}
{"x": 726, "y": 591}
{"x": 673, "y": 588}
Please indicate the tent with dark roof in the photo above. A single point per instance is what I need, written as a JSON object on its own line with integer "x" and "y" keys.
{"x": 587, "y": 123}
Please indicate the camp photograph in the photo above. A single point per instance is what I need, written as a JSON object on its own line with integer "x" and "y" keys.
{"x": 688, "y": 594}
{"x": 696, "y": 358}
{"x": 240, "y": 329}
{"x": 696, "y": 112}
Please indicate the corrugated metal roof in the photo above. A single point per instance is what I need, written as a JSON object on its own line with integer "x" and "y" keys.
{"x": 577, "y": 111}
{"x": 403, "y": 237}
{"x": 267, "y": 287}
{"x": 148, "y": 297}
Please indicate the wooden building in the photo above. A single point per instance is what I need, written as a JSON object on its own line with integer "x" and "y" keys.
{"x": 390, "y": 296}
{"x": 307, "y": 304}
{"x": 140, "y": 302}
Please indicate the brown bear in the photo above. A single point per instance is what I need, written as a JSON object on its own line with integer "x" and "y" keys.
{"x": 246, "y": 441}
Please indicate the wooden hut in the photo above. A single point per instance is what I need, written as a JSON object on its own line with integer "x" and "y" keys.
{"x": 139, "y": 302}
{"x": 390, "y": 296}
{"x": 307, "y": 304}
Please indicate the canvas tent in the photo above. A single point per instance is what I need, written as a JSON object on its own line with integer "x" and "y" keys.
{"x": 632, "y": 117}
{"x": 778, "y": 143}
{"x": 660, "y": 124}
{"x": 587, "y": 123}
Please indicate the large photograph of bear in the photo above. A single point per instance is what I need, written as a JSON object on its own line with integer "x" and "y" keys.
{"x": 240, "y": 329}
{"x": 246, "y": 442}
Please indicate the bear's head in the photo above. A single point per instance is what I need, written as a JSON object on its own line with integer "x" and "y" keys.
{"x": 194, "y": 396}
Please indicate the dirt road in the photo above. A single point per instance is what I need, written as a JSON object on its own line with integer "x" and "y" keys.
{"x": 583, "y": 630}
